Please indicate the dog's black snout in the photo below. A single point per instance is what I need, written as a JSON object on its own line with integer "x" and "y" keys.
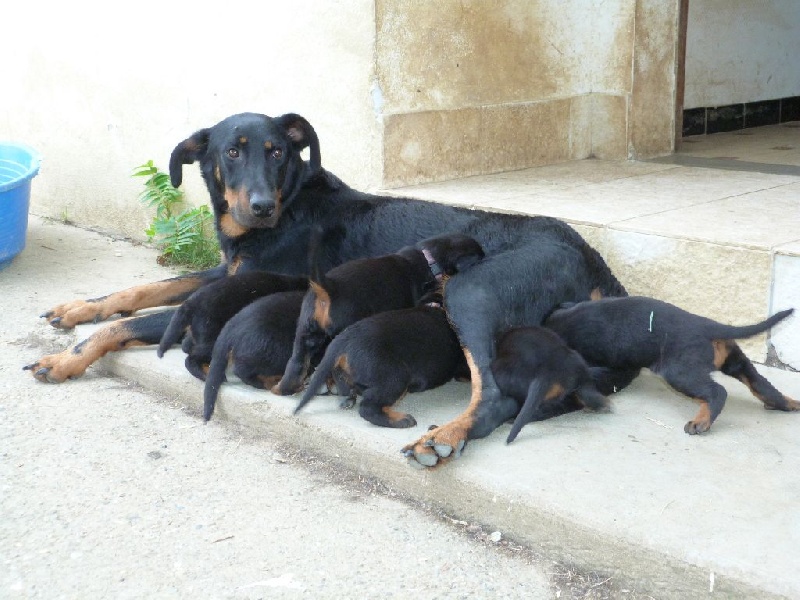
{"x": 262, "y": 208}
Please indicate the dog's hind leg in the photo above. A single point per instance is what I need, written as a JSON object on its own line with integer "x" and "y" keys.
{"x": 198, "y": 367}
{"x": 730, "y": 359}
{"x": 119, "y": 335}
{"x": 487, "y": 410}
{"x": 470, "y": 310}
{"x": 592, "y": 399}
{"x": 376, "y": 407}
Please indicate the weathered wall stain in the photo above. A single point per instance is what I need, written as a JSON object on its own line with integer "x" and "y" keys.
{"x": 528, "y": 81}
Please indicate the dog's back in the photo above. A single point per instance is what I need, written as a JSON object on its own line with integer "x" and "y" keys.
{"x": 637, "y": 331}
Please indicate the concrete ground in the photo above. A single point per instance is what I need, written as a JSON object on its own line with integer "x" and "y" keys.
{"x": 100, "y": 477}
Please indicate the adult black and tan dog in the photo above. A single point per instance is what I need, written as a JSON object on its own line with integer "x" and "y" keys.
{"x": 266, "y": 199}
{"x": 683, "y": 348}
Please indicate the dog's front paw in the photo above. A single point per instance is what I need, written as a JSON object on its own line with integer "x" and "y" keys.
{"x": 57, "y": 368}
{"x": 438, "y": 446}
{"x": 70, "y": 314}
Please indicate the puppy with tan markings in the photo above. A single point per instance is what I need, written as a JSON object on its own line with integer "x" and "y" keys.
{"x": 387, "y": 355}
{"x": 537, "y": 369}
{"x": 257, "y": 341}
{"x": 683, "y": 348}
{"x": 202, "y": 316}
{"x": 364, "y": 287}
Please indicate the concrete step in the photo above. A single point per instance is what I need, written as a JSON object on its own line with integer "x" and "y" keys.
{"x": 722, "y": 243}
{"x": 627, "y": 494}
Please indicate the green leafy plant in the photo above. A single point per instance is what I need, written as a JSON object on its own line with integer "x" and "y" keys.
{"x": 183, "y": 234}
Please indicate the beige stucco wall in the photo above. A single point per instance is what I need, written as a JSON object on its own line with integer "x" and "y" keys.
{"x": 399, "y": 91}
{"x": 100, "y": 87}
{"x": 474, "y": 87}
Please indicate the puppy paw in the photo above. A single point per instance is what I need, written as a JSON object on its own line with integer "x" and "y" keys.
{"x": 695, "y": 427}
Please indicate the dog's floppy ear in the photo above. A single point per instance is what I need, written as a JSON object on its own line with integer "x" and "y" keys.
{"x": 302, "y": 135}
{"x": 471, "y": 253}
{"x": 187, "y": 152}
{"x": 468, "y": 260}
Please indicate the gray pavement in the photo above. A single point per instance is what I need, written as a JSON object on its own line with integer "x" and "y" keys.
{"x": 121, "y": 490}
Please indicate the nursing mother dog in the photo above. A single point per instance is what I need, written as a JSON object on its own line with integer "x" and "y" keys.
{"x": 266, "y": 200}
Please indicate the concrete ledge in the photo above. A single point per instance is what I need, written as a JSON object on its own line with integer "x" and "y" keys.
{"x": 627, "y": 493}
{"x": 720, "y": 243}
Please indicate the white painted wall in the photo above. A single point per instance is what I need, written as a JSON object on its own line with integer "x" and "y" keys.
{"x": 100, "y": 87}
{"x": 785, "y": 293}
{"x": 741, "y": 51}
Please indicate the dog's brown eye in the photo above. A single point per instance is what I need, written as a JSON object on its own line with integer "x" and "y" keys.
{"x": 277, "y": 154}
{"x": 233, "y": 152}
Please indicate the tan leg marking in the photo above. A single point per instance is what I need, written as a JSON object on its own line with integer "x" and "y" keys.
{"x": 160, "y": 293}
{"x": 73, "y": 362}
{"x": 322, "y": 305}
{"x": 701, "y": 422}
{"x": 269, "y": 380}
{"x": 722, "y": 350}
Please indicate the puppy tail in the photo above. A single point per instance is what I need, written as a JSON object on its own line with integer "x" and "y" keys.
{"x": 537, "y": 393}
{"x": 731, "y": 332}
{"x": 321, "y": 373}
{"x": 220, "y": 356}
{"x": 175, "y": 330}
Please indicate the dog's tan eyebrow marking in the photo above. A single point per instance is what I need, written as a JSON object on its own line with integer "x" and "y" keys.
{"x": 268, "y": 145}
{"x": 242, "y": 139}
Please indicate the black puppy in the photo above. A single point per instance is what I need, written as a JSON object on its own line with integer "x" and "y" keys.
{"x": 681, "y": 347}
{"x": 537, "y": 369}
{"x": 201, "y": 317}
{"x": 364, "y": 287}
{"x": 258, "y": 341}
{"x": 384, "y": 356}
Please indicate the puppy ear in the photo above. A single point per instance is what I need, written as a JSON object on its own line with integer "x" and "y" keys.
{"x": 187, "y": 152}
{"x": 302, "y": 135}
{"x": 468, "y": 260}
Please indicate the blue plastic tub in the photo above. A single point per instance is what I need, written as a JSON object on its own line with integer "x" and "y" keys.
{"x": 18, "y": 165}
